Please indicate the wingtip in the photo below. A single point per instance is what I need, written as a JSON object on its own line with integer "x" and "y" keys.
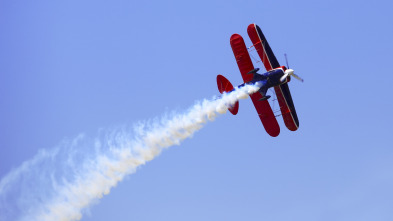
{"x": 234, "y": 36}
{"x": 251, "y": 26}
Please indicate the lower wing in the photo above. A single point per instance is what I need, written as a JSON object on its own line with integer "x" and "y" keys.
{"x": 245, "y": 65}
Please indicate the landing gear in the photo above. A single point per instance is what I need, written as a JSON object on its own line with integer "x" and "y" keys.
{"x": 265, "y": 97}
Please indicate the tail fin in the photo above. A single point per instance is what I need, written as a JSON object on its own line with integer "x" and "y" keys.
{"x": 224, "y": 85}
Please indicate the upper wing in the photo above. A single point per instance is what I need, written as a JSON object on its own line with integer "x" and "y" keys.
{"x": 270, "y": 62}
{"x": 263, "y": 108}
{"x": 262, "y": 47}
{"x": 287, "y": 107}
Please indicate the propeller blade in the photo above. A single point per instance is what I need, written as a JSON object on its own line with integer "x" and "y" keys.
{"x": 286, "y": 60}
{"x": 297, "y": 77}
{"x": 282, "y": 79}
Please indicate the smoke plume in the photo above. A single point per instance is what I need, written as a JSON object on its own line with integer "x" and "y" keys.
{"x": 59, "y": 183}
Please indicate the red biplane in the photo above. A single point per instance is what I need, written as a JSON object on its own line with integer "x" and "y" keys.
{"x": 276, "y": 76}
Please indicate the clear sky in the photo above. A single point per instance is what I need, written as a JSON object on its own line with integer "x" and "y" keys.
{"x": 83, "y": 66}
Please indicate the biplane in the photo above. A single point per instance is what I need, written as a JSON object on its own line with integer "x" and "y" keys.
{"x": 276, "y": 77}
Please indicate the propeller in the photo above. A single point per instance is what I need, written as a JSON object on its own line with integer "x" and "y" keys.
{"x": 289, "y": 72}
{"x": 286, "y": 60}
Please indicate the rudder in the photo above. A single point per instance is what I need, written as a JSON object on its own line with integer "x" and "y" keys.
{"x": 224, "y": 85}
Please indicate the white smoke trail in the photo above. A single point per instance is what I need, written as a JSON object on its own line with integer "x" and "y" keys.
{"x": 58, "y": 184}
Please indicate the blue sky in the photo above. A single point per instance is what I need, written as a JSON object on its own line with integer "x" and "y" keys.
{"x": 78, "y": 67}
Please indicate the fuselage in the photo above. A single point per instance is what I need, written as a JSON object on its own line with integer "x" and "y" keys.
{"x": 270, "y": 78}
{"x": 267, "y": 80}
